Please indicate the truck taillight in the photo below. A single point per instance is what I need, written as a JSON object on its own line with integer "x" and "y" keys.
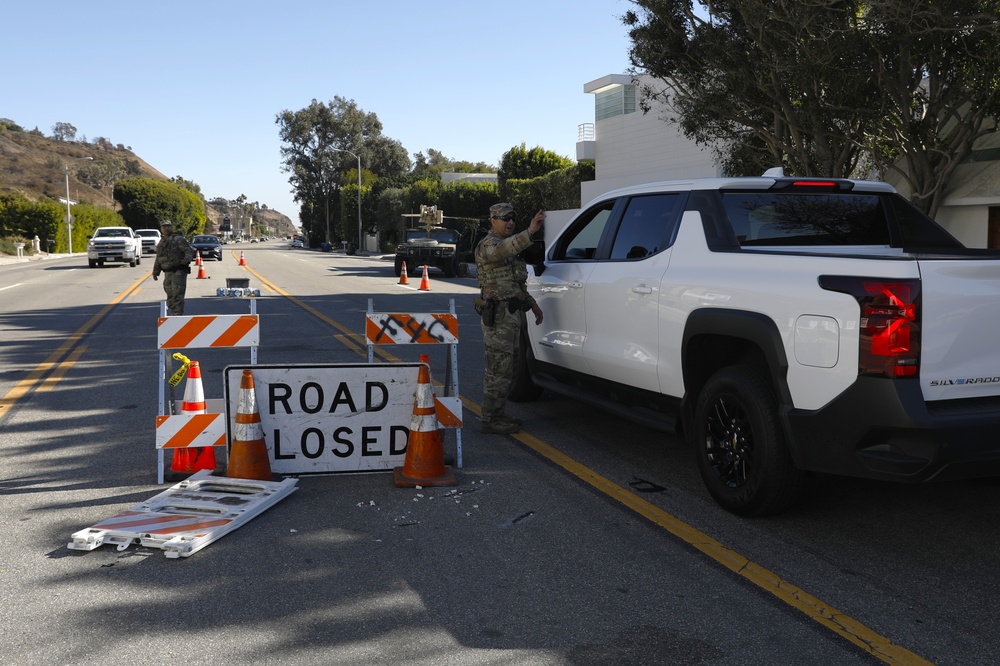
{"x": 889, "y": 323}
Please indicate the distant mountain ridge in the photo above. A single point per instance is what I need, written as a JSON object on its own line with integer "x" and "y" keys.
{"x": 33, "y": 165}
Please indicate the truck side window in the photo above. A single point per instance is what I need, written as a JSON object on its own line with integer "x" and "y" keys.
{"x": 648, "y": 225}
{"x": 581, "y": 241}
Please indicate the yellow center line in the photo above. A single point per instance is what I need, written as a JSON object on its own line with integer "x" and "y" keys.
{"x": 22, "y": 388}
{"x": 60, "y": 372}
{"x": 843, "y": 625}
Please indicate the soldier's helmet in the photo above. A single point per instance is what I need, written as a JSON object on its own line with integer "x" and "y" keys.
{"x": 500, "y": 209}
{"x": 166, "y": 223}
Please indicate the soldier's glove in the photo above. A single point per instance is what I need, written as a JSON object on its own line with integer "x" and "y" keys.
{"x": 155, "y": 277}
{"x": 477, "y": 304}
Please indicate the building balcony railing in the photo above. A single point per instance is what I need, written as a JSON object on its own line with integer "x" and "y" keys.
{"x": 586, "y": 143}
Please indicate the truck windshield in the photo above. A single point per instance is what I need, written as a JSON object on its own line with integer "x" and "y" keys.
{"x": 440, "y": 235}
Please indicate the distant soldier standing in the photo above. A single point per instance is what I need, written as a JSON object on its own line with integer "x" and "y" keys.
{"x": 173, "y": 258}
{"x": 502, "y": 275}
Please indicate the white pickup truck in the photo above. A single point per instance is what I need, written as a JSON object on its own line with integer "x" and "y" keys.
{"x": 785, "y": 325}
{"x": 117, "y": 244}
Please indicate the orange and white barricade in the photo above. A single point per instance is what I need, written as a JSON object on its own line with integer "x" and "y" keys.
{"x": 186, "y": 517}
{"x": 176, "y": 429}
{"x": 382, "y": 328}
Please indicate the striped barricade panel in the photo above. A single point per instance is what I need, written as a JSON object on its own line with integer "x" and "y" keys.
{"x": 449, "y": 411}
{"x": 202, "y": 331}
{"x": 408, "y": 329}
{"x": 188, "y": 516}
{"x": 190, "y": 431}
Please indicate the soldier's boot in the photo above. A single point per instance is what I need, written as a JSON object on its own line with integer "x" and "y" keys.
{"x": 507, "y": 417}
{"x": 498, "y": 425}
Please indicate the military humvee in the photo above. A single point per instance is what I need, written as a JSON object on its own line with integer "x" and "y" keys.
{"x": 428, "y": 244}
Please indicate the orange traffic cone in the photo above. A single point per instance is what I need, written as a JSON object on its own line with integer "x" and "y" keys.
{"x": 197, "y": 258}
{"x": 242, "y": 261}
{"x": 201, "y": 270}
{"x": 190, "y": 460}
{"x": 424, "y": 462}
{"x": 248, "y": 456}
{"x": 425, "y": 284}
{"x": 402, "y": 275}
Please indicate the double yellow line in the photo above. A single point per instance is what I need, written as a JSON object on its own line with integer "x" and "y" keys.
{"x": 63, "y": 358}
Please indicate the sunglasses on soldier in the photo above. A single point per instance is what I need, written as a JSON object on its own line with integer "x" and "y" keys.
{"x": 507, "y": 218}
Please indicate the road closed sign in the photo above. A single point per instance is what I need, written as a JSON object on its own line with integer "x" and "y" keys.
{"x": 330, "y": 418}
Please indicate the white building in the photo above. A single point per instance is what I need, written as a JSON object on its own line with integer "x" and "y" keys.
{"x": 449, "y": 177}
{"x": 630, "y": 147}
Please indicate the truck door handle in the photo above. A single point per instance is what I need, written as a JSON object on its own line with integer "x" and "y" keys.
{"x": 642, "y": 289}
{"x": 576, "y": 285}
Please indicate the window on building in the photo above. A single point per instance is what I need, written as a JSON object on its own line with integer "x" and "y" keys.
{"x": 615, "y": 101}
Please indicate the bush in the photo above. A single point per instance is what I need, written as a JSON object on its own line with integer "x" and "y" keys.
{"x": 7, "y": 246}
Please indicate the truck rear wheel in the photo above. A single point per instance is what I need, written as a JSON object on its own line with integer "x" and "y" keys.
{"x": 741, "y": 451}
{"x": 399, "y": 266}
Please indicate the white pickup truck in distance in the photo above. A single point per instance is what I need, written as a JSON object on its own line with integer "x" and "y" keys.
{"x": 117, "y": 244}
{"x": 785, "y": 325}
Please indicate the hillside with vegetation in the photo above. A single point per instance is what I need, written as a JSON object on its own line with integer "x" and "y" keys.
{"x": 104, "y": 179}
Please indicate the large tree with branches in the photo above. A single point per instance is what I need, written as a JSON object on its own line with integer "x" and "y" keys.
{"x": 826, "y": 87}
{"x": 319, "y": 145}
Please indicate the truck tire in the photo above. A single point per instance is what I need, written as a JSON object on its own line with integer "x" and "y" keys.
{"x": 740, "y": 447}
{"x": 132, "y": 262}
{"x": 399, "y": 266}
{"x": 522, "y": 388}
{"x": 451, "y": 268}
{"x": 93, "y": 263}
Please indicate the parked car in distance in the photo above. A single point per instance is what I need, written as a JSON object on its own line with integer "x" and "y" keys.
{"x": 208, "y": 246}
{"x": 297, "y": 242}
{"x": 150, "y": 239}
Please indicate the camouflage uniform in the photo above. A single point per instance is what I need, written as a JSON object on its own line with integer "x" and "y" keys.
{"x": 502, "y": 275}
{"x": 173, "y": 258}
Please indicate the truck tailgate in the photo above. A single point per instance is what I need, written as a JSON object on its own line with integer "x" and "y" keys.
{"x": 960, "y": 331}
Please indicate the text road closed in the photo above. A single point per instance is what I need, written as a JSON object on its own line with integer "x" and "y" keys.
{"x": 330, "y": 418}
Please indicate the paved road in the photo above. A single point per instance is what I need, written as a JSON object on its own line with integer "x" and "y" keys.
{"x": 583, "y": 541}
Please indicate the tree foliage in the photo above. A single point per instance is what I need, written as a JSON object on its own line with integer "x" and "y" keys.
{"x": 320, "y": 143}
{"x": 146, "y": 202}
{"x": 64, "y": 132}
{"x": 825, "y": 87}
{"x": 520, "y": 163}
{"x": 22, "y": 218}
{"x": 188, "y": 185}
{"x": 435, "y": 163}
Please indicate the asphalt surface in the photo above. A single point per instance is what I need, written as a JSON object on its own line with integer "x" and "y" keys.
{"x": 529, "y": 560}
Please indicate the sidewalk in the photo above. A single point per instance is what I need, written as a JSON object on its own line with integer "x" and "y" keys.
{"x": 11, "y": 259}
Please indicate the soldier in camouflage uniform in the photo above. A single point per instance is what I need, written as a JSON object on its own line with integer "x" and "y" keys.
{"x": 502, "y": 275}
{"x": 173, "y": 258}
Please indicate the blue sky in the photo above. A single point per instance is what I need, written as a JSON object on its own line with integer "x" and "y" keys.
{"x": 194, "y": 87}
